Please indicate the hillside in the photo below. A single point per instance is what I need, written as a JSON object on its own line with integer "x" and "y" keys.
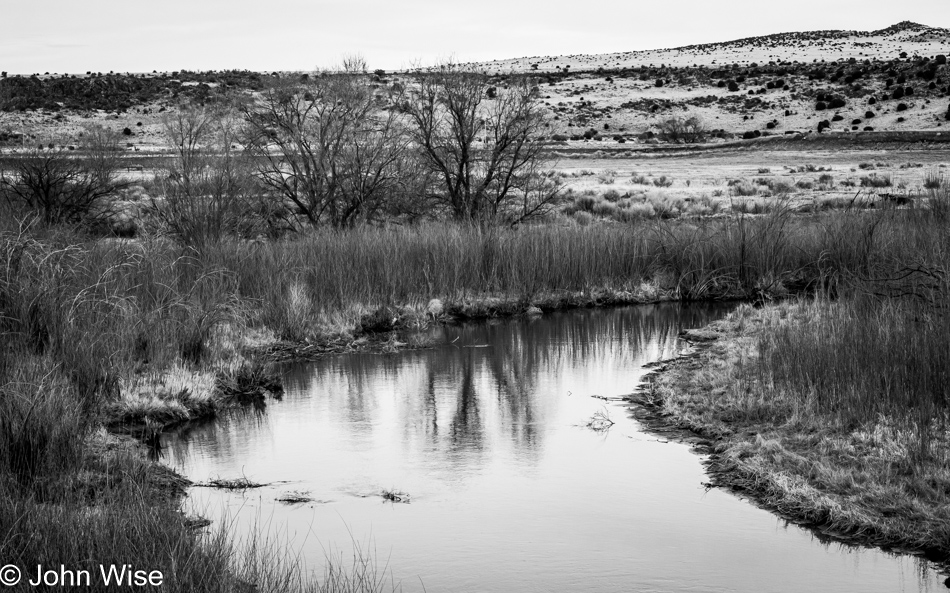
{"x": 804, "y": 47}
{"x": 895, "y": 79}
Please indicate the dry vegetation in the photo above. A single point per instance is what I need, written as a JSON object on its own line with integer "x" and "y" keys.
{"x": 338, "y": 213}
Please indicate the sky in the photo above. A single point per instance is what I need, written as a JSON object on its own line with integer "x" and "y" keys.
{"x": 74, "y": 36}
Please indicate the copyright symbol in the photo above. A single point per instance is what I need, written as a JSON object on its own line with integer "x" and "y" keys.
{"x": 10, "y": 575}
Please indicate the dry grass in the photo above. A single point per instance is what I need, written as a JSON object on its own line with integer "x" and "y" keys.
{"x": 816, "y": 424}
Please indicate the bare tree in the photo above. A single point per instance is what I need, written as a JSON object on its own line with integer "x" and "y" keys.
{"x": 482, "y": 150}
{"x": 330, "y": 144}
{"x": 64, "y": 187}
{"x": 688, "y": 130}
{"x": 206, "y": 192}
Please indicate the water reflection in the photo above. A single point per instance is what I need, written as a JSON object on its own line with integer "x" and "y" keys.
{"x": 509, "y": 491}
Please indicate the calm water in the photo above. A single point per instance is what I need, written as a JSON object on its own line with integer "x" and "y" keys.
{"x": 509, "y": 491}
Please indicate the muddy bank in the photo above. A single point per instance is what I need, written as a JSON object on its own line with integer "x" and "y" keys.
{"x": 849, "y": 485}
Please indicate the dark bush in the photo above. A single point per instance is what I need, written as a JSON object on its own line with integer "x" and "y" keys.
{"x": 820, "y": 106}
{"x": 62, "y": 189}
{"x": 837, "y": 103}
{"x": 733, "y": 86}
{"x": 823, "y": 125}
{"x": 901, "y": 107}
{"x": 868, "y": 114}
{"x": 837, "y": 117}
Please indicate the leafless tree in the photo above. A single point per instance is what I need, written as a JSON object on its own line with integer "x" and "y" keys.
{"x": 61, "y": 186}
{"x": 207, "y": 189}
{"x": 331, "y": 145}
{"x": 483, "y": 151}
{"x": 688, "y": 130}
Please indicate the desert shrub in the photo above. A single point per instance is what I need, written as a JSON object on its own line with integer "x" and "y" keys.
{"x": 826, "y": 179}
{"x": 875, "y": 180}
{"x": 639, "y": 179}
{"x": 823, "y": 125}
{"x": 779, "y": 187}
{"x": 837, "y": 117}
{"x": 743, "y": 189}
{"x": 612, "y": 195}
{"x": 663, "y": 181}
{"x": 803, "y": 184}
{"x": 837, "y": 103}
{"x": 764, "y": 170}
{"x": 583, "y": 218}
{"x": 821, "y": 105}
{"x": 605, "y": 209}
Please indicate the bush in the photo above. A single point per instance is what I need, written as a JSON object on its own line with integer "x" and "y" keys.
{"x": 59, "y": 188}
{"x": 874, "y": 180}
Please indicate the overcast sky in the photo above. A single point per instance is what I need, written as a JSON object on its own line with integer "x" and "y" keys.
{"x": 137, "y": 36}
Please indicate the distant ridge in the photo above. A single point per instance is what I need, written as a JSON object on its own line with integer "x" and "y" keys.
{"x": 803, "y": 46}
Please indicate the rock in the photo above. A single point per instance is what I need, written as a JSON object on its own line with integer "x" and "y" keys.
{"x": 532, "y": 310}
{"x": 435, "y": 308}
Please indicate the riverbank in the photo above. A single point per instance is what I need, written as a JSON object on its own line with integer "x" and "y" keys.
{"x": 857, "y": 482}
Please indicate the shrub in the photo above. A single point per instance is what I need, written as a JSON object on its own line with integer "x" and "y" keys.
{"x": 744, "y": 189}
{"x": 901, "y": 107}
{"x": 837, "y": 103}
{"x": 61, "y": 189}
{"x": 821, "y": 106}
{"x": 874, "y": 180}
{"x": 663, "y": 181}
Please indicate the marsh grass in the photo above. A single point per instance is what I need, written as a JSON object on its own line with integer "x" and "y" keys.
{"x": 143, "y": 330}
